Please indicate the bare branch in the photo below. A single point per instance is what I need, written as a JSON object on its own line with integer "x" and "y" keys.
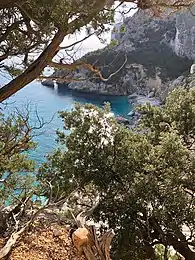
{"x": 16, "y": 234}
{"x": 34, "y": 69}
{"x": 75, "y": 43}
{"x": 88, "y": 66}
{"x": 114, "y": 73}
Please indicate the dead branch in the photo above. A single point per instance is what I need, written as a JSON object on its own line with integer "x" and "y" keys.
{"x": 11, "y": 242}
{"x": 20, "y": 140}
{"x": 20, "y": 227}
{"x": 17, "y": 233}
{"x": 79, "y": 41}
{"x": 114, "y": 73}
{"x": 86, "y": 240}
{"x": 87, "y": 66}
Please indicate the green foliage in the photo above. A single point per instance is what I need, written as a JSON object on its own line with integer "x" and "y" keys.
{"x": 29, "y": 26}
{"x": 15, "y": 166}
{"x": 160, "y": 253}
{"x": 178, "y": 114}
{"x": 113, "y": 43}
{"x": 81, "y": 119}
{"x": 145, "y": 179}
{"x": 123, "y": 28}
{"x": 13, "y": 71}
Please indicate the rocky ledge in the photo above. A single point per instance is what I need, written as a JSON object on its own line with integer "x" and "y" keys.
{"x": 142, "y": 100}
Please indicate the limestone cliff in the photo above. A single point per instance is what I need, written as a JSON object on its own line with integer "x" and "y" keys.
{"x": 158, "y": 51}
{"x": 184, "y": 44}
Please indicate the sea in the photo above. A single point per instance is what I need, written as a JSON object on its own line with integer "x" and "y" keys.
{"x": 45, "y": 102}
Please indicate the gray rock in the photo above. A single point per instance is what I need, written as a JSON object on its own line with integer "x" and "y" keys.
{"x": 178, "y": 81}
{"x": 132, "y": 96}
{"x": 158, "y": 51}
{"x": 142, "y": 100}
{"x": 151, "y": 94}
{"x": 192, "y": 69}
{"x": 48, "y": 83}
{"x": 184, "y": 43}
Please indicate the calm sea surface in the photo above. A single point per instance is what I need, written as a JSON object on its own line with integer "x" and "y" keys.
{"x": 48, "y": 101}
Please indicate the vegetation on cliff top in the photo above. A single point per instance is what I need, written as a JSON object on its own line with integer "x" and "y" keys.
{"x": 144, "y": 179}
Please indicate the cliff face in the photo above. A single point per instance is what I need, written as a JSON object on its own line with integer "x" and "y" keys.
{"x": 158, "y": 51}
{"x": 184, "y": 44}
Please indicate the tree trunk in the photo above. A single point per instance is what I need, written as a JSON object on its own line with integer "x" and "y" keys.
{"x": 11, "y": 242}
{"x": 91, "y": 246}
{"x": 178, "y": 242}
{"x": 184, "y": 250}
{"x": 34, "y": 70}
{"x": 3, "y": 224}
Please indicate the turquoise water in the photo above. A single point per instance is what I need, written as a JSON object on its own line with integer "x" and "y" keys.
{"x": 48, "y": 101}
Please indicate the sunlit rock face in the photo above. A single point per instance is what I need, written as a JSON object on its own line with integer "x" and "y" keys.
{"x": 184, "y": 44}
{"x": 158, "y": 51}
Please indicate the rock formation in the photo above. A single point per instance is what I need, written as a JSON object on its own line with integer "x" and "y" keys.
{"x": 184, "y": 44}
{"x": 158, "y": 51}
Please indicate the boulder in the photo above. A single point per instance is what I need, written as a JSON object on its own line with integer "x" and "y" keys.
{"x": 48, "y": 83}
{"x": 142, "y": 100}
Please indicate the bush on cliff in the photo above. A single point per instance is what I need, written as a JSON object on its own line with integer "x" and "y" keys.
{"x": 144, "y": 179}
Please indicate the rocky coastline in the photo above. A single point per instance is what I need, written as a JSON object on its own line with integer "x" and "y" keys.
{"x": 159, "y": 52}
